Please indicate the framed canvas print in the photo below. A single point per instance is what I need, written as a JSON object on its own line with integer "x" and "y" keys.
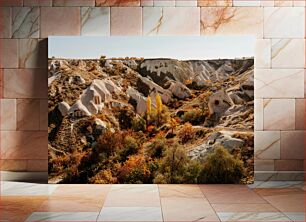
{"x": 151, "y": 110}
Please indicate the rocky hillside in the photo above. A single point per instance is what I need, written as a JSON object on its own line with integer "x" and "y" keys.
{"x": 196, "y": 105}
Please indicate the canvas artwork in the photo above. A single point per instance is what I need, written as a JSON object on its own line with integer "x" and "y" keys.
{"x": 151, "y": 110}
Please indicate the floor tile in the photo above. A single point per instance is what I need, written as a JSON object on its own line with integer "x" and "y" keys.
{"x": 18, "y": 208}
{"x": 295, "y": 216}
{"x": 223, "y": 193}
{"x": 26, "y": 189}
{"x": 274, "y": 216}
{"x": 130, "y": 214}
{"x": 91, "y": 191}
{"x": 138, "y": 195}
{"x": 175, "y": 190}
{"x": 263, "y": 207}
{"x": 63, "y": 216}
{"x": 187, "y": 209}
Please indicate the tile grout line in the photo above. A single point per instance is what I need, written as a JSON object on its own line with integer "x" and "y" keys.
{"x": 161, "y": 208}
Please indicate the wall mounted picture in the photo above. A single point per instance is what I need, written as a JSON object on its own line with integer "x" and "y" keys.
{"x": 143, "y": 110}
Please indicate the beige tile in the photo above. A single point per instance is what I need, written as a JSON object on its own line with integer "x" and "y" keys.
{"x": 43, "y": 114}
{"x": 145, "y": 195}
{"x": 263, "y": 207}
{"x": 95, "y": 21}
{"x": 37, "y": 2}
{"x": 279, "y": 3}
{"x": 13, "y": 165}
{"x": 220, "y": 3}
{"x": 9, "y": 53}
{"x": 262, "y": 53}
{"x": 278, "y": 19}
{"x": 5, "y": 22}
{"x": 232, "y": 21}
{"x": 230, "y": 194}
{"x": 146, "y": 2}
{"x": 73, "y": 2}
{"x": 282, "y": 49}
{"x": 266, "y": 3}
{"x": 179, "y": 191}
{"x": 118, "y": 3}
{"x": 299, "y": 3}
{"x": 24, "y": 145}
{"x": 25, "y": 83}
{"x": 51, "y": 17}
{"x": 33, "y": 53}
{"x": 91, "y": 191}
{"x": 37, "y": 165}
{"x": 186, "y": 3}
{"x": 237, "y": 3}
{"x": 119, "y": 18}
{"x": 289, "y": 165}
{"x": 300, "y": 114}
{"x": 267, "y": 145}
{"x": 263, "y": 165}
{"x": 292, "y": 145}
{"x": 25, "y": 22}
{"x": 279, "y": 114}
{"x": 28, "y": 114}
{"x": 279, "y": 83}
{"x": 258, "y": 114}
{"x": 187, "y": 209}
{"x": 8, "y": 114}
{"x": 160, "y": 21}
{"x": 163, "y": 3}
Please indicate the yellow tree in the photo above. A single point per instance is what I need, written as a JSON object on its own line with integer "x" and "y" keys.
{"x": 159, "y": 107}
{"x": 149, "y": 107}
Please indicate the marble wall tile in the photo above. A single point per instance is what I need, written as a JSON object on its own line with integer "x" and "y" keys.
{"x": 163, "y": 3}
{"x": 292, "y": 145}
{"x": 37, "y": 165}
{"x": 52, "y": 21}
{"x": 284, "y": 49}
{"x": 284, "y": 3}
{"x": 25, "y": 83}
{"x": 1, "y": 83}
{"x": 159, "y": 21}
{"x": 267, "y": 145}
{"x": 220, "y": 3}
{"x": 8, "y": 53}
{"x": 28, "y": 114}
{"x": 117, "y": 2}
{"x": 5, "y": 3}
{"x": 300, "y": 114}
{"x": 74, "y": 3}
{"x": 119, "y": 16}
{"x": 264, "y": 165}
{"x": 95, "y": 21}
{"x": 25, "y": 22}
{"x": 289, "y": 165}
{"x": 146, "y": 2}
{"x": 266, "y": 3}
{"x": 258, "y": 121}
{"x": 5, "y": 22}
{"x": 13, "y": 165}
{"x": 279, "y": 83}
{"x": 238, "y": 3}
{"x": 305, "y": 82}
{"x": 43, "y": 114}
{"x": 33, "y": 53}
{"x": 232, "y": 21}
{"x": 279, "y": 114}
{"x": 278, "y": 22}
{"x": 8, "y": 114}
{"x": 37, "y": 2}
{"x": 24, "y": 145}
{"x": 262, "y": 53}
{"x": 186, "y": 3}
{"x": 299, "y": 3}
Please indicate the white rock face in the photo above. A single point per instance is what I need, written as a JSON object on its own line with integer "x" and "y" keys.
{"x": 79, "y": 110}
{"x": 179, "y": 90}
{"x": 140, "y": 100}
{"x": 219, "y": 102}
{"x": 63, "y": 107}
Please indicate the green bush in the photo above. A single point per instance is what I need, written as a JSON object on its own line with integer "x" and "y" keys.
{"x": 221, "y": 167}
{"x": 139, "y": 124}
{"x": 131, "y": 146}
{"x": 157, "y": 147}
{"x": 194, "y": 116}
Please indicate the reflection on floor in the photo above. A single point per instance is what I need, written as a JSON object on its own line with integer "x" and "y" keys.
{"x": 270, "y": 201}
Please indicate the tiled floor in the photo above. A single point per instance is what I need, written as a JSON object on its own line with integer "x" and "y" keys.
{"x": 270, "y": 201}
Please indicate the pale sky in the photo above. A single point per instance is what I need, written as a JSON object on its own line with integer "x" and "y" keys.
{"x": 183, "y": 48}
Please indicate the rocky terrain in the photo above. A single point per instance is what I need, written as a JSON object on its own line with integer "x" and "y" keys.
{"x": 130, "y": 120}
